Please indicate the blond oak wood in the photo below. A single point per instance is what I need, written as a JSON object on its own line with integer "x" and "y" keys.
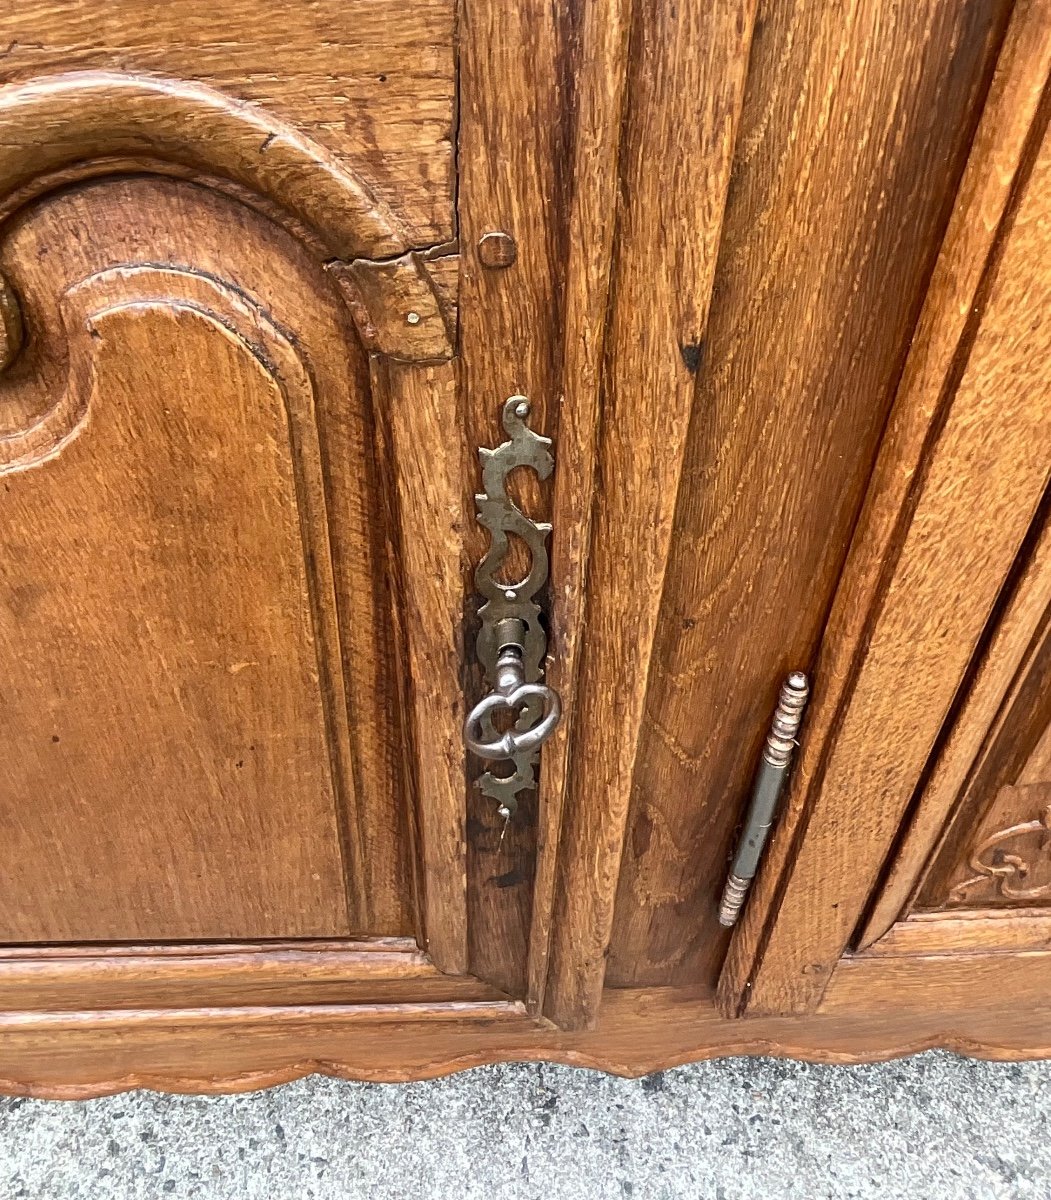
{"x": 378, "y": 93}
{"x": 421, "y": 405}
{"x": 11, "y": 327}
{"x": 946, "y": 984}
{"x": 970, "y": 238}
{"x": 442, "y": 265}
{"x": 984, "y": 709}
{"x": 513, "y": 99}
{"x": 379, "y": 971}
{"x": 927, "y": 615}
{"x": 86, "y": 119}
{"x": 601, "y": 82}
{"x": 249, "y": 351}
{"x": 842, "y": 178}
{"x": 348, "y": 146}
{"x": 977, "y": 861}
{"x": 642, "y": 1030}
{"x": 175, "y": 690}
{"x": 993, "y": 930}
{"x": 398, "y": 308}
{"x": 1002, "y": 859}
{"x": 1037, "y": 768}
{"x": 686, "y": 69}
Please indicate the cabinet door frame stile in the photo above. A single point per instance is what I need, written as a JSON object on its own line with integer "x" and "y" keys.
{"x": 662, "y": 73}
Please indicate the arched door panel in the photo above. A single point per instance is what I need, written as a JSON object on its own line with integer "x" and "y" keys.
{"x": 200, "y": 736}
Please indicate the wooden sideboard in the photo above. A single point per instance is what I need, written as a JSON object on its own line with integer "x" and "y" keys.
{"x": 771, "y": 284}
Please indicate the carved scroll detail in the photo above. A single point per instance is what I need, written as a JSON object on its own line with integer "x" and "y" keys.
{"x": 1012, "y": 863}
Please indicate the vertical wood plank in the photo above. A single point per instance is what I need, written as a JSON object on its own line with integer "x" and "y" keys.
{"x": 418, "y": 408}
{"x": 600, "y": 78}
{"x": 513, "y": 101}
{"x": 940, "y": 580}
{"x": 688, "y": 66}
{"x": 997, "y": 157}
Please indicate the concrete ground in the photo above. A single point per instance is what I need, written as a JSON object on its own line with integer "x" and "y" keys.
{"x": 932, "y": 1127}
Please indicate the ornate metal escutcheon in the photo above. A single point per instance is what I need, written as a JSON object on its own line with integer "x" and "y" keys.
{"x": 511, "y": 642}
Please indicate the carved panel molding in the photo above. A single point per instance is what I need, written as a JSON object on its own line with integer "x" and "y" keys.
{"x": 84, "y": 124}
{"x": 1012, "y": 863}
{"x": 176, "y": 319}
{"x": 184, "y": 204}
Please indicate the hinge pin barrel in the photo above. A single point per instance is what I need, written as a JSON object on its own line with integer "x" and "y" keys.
{"x": 766, "y": 792}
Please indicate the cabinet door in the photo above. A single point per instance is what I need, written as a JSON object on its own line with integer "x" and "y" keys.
{"x": 915, "y": 839}
{"x": 246, "y": 375}
{"x": 732, "y": 368}
{"x": 220, "y": 362}
{"x": 251, "y": 353}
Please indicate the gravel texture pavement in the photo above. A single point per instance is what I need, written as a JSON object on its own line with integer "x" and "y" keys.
{"x": 932, "y": 1126}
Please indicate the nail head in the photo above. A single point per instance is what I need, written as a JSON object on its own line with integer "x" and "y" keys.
{"x": 497, "y": 249}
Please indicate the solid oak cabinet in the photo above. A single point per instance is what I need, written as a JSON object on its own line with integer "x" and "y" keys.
{"x": 384, "y": 392}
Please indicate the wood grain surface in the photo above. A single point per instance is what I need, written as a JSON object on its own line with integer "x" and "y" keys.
{"x": 949, "y": 983}
{"x": 970, "y": 237}
{"x": 180, "y": 553}
{"x": 953, "y": 548}
{"x": 88, "y": 123}
{"x": 999, "y": 720}
{"x": 78, "y": 978}
{"x": 418, "y": 406}
{"x": 686, "y": 70}
{"x": 854, "y": 131}
{"x": 71, "y": 1055}
{"x": 375, "y": 90}
{"x": 995, "y": 851}
{"x": 600, "y": 49}
{"x": 1009, "y": 787}
{"x": 966, "y": 932}
{"x": 513, "y": 97}
{"x": 267, "y": 276}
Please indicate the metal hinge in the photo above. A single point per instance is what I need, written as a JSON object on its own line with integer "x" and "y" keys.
{"x": 769, "y": 782}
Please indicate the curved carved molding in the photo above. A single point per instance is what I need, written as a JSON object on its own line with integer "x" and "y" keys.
{"x": 137, "y": 290}
{"x": 142, "y": 288}
{"x": 55, "y": 122}
{"x": 100, "y": 122}
{"x": 628, "y": 1068}
{"x": 75, "y": 1055}
{"x": 10, "y": 324}
{"x": 211, "y": 260}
